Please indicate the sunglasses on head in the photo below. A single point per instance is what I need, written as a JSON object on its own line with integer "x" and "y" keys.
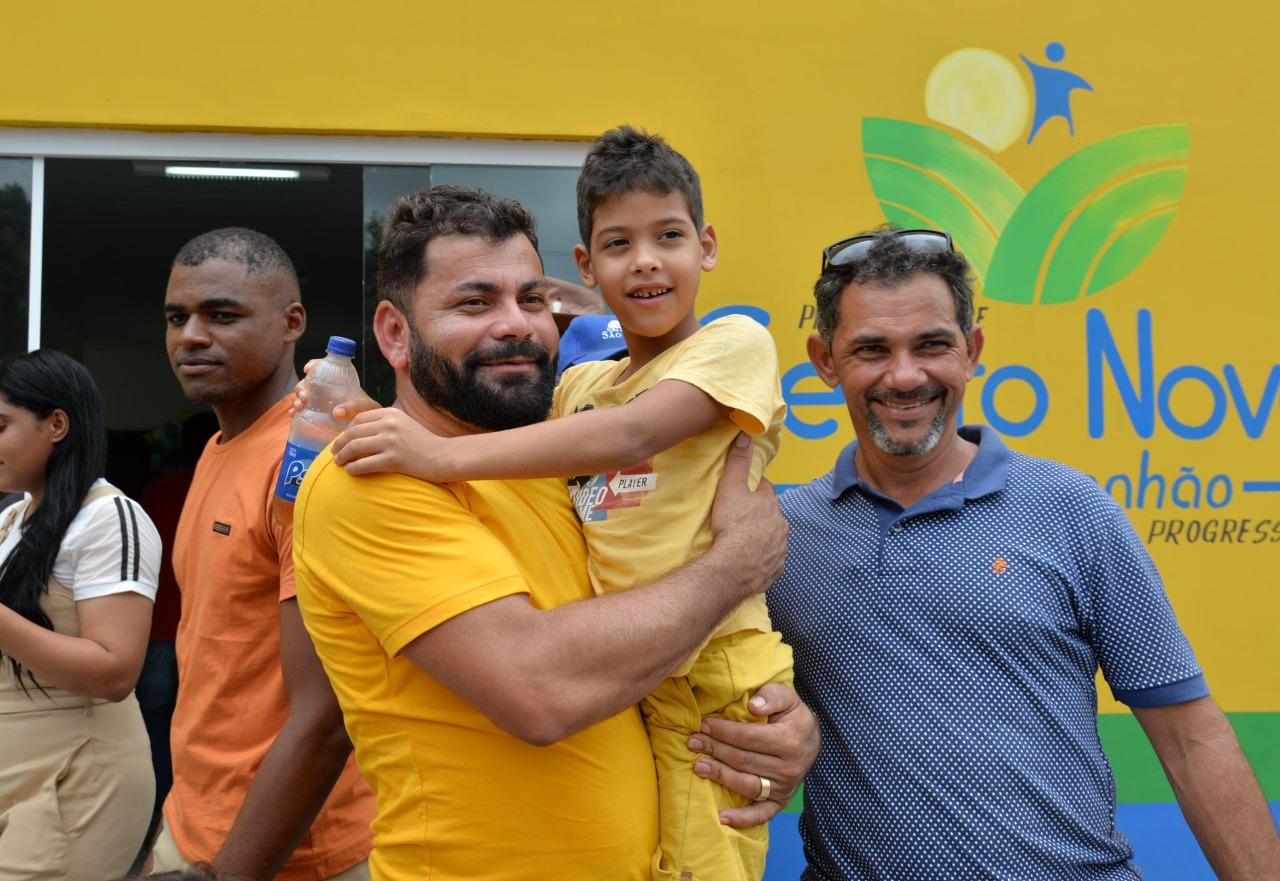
{"x": 853, "y": 249}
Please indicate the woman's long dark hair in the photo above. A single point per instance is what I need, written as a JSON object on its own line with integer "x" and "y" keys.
{"x": 43, "y": 381}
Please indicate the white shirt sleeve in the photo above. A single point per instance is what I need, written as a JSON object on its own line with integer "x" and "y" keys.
{"x": 110, "y": 547}
{"x": 11, "y": 516}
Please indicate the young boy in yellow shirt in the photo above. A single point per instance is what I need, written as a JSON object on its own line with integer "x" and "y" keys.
{"x": 648, "y": 436}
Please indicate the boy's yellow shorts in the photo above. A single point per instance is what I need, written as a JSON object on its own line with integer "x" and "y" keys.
{"x": 692, "y": 843}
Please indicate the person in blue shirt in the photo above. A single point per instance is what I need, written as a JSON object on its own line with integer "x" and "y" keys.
{"x": 587, "y": 333}
{"x": 949, "y": 602}
{"x": 590, "y": 338}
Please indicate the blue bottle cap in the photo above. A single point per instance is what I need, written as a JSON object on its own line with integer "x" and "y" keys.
{"x": 340, "y": 345}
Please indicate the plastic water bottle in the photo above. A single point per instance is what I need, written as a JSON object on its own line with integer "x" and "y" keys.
{"x": 332, "y": 381}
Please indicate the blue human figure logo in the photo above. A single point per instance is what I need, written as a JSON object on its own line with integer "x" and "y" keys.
{"x": 1053, "y": 89}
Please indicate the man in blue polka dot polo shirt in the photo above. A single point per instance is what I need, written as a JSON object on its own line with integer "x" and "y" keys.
{"x": 949, "y": 602}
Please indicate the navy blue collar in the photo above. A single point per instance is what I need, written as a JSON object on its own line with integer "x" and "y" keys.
{"x": 986, "y": 474}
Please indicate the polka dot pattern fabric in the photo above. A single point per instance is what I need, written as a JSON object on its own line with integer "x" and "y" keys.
{"x": 949, "y": 652}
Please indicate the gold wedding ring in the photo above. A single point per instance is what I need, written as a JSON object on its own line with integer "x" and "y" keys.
{"x": 766, "y": 787}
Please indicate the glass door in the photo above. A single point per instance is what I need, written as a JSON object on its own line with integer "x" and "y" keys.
{"x": 15, "y": 252}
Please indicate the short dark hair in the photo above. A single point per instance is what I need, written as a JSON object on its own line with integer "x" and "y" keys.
{"x": 258, "y": 253}
{"x": 627, "y": 160}
{"x": 443, "y": 210}
{"x": 889, "y": 262}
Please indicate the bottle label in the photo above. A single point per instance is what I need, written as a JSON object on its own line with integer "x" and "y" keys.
{"x": 297, "y": 459}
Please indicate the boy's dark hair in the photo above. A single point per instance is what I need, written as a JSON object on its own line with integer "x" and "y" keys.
{"x": 890, "y": 262}
{"x": 626, "y": 160}
{"x": 235, "y": 244}
{"x": 444, "y": 210}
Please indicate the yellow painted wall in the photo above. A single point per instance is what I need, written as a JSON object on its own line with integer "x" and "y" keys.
{"x": 767, "y": 101}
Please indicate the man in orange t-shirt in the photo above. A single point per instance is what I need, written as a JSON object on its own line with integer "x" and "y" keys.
{"x": 263, "y": 783}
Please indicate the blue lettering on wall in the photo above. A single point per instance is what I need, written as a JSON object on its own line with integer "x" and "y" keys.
{"x": 1190, "y": 372}
{"x": 1139, "y": 403}
{"x": 1015, "y": 373}
{"x": 753, "y": 312}
{"x": 1254, "y": 421}
{"x": 795, "y": 400}
{"x": 1145, "y": 397}
{"x": 1152, "y": 489}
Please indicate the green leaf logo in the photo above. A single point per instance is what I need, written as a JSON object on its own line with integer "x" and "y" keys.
{"x": 926, "y": 177}
{"x": 1092, "y": 219}
{"x": 1086, "y": 225}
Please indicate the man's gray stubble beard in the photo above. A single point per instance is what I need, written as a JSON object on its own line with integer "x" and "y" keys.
{"x": 885, "y": 442}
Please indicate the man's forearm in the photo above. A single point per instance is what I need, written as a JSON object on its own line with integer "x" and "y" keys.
{"x": 1216, "y": 789}
{"x": 605, "y": 655}
{"x": 542, "y": 675}
{"x": 590, "y": 441}
{"x": 1224, "y": 807}
{"x": 287, "y": 792}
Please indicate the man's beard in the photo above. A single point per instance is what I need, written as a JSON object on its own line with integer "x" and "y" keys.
{"x": 880, "y": 435}
{"x": 509, "y": 402}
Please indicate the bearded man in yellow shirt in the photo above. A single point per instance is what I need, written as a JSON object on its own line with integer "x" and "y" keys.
{"x": 490, "y": 699}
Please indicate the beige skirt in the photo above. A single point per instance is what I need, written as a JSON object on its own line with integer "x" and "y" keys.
{"x": 76, "y": 790}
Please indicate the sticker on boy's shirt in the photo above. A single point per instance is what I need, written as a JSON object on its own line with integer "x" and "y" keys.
{"x": 595, "y": 495}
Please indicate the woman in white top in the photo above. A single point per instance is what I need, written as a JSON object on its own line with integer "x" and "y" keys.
{"x": 78, "y": 572}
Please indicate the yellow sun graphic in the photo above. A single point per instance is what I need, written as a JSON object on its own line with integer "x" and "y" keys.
{"x": 980, "y": 93}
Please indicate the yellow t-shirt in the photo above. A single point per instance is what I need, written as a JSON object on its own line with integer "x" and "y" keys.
{"x": 381, "y": 560}
{"x": 643, "y": 521}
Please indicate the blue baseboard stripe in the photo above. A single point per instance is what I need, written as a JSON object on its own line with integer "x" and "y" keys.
{"x": 1163, "y": 845}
